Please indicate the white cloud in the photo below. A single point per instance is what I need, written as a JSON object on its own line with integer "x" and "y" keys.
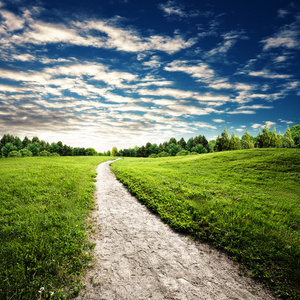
{"x": 285, "y": 121}
{"x": 255, "y": 107}
{"x": 287, "y": 37}
{"x": 257, "y": 126}
{"x": 170, "y": 8}
{"x": 268, "y": 74}
{"x": 11, "y": 22}
{"x": 200, "y": 71}
{"x": 218, "y": 120}
{"x": 245, "y": 112}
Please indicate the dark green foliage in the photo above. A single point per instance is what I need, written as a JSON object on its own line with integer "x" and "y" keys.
{"x": 8, "y": 148}
{"x": 173, "y": 149}
{"x": 14, "y": 153}
{"x": 182, "y": 143}
{"x": 182, "y": 153}
{"x": 244, "y": 202}
{"x": 295, "y": 133}
{"x": 26, "y": 142}
{"x": 266, "y": 137}
{"x": 233, "y": 143}
{"x": 25, "y": 152}
{"x": 199, "y": 148}
{"x": 35, "y": 148}
{"x": 45, "y": 153}
{"x": 288, "y": 141}
{"x": 246, "y": 142}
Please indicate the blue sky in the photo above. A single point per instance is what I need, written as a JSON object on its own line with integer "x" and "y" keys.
{"x": 125, "y": 72}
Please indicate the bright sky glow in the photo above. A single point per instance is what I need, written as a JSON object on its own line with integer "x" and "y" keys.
{"x": 126, "y": 72}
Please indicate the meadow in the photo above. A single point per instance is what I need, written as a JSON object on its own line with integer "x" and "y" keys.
{"x": 44, "y": 205}
{"x": 246, "y": 203}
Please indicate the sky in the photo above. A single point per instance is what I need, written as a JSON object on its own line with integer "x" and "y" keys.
{"x": 105, "y": 73}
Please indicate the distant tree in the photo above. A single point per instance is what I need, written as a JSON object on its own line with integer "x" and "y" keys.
{"x": 201, "y": 139}
{"x": 182, "y": 143}
{"x": 8, "y": 148}
{"x": 239, "y": 143}
{"x": 35, "y": 139}
{"x": 218, "y": 144}
{"x": 233, "y": 143}
{"x": 173, "y": 149}
{"x": 225, "y": 141}
{"x": 91, "y": 152}
{"x": 199, "y": 148}
{"x": 295, "y": 133}
{"x": 274, "y": 142}
{"x": 44, "y": 145}
{"x": 114, "y": 151}
{"x": 172, "y": 141}
{"x": 165, "y": 146}
{"x": 18, "y": 143}
{"x": 182, "y": 153}
{"x": 266, "y": 137}
{"x": 288, "y": 141}
{"x": 54, "y": 147}
{"x": 259, "y": 140}
{"x": 35, "y": 148}
{"x": 26, "y": 141}
{"x": 190, "y": 144}
{"x": 211, "y": 145}
{"x": 163, "y": 154}
{"x": 153, "y": 149}
{"x": 246, "y": 142}
{"x": 61, "y": 148}
{"x": 77, "y": 151}
{"x": 7, "y": 138}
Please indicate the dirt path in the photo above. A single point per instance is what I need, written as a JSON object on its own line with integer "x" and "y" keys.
{"x": 139, "y": 257}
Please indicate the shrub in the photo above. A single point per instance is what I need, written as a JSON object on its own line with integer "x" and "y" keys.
{"x": 25, "y": 152}
{"x": 14, "y": 153}
{"x": 193, "y": 153}
{"x": 54, "y": 154}
{"x": 182, "y": 153}
{"x": 153, "y": 155}
{"x": 163, "y": 154}
{"x": 45, "y": 153}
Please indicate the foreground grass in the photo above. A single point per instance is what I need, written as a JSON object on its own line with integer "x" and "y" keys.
{"x": 44, "y": 203}
{"x": 244, "y": 202}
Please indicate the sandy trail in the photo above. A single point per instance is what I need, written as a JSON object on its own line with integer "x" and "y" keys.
{"x": 140, "y": 257}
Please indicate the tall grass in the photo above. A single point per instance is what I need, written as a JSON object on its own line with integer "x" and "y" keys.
{"x": 246, "y": 203}
{"x": 44, "y": 203}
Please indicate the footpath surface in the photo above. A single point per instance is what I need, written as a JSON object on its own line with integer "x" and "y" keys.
{"x": 138, "y": 257}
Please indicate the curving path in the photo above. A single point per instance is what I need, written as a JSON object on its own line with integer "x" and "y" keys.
{"x": 139, "y": 257}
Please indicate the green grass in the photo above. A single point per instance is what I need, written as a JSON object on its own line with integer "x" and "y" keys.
{"x": 246, "y": 203}
{"x": 44, "y": 204}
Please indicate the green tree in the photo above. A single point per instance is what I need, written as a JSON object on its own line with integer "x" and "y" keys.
{"x": 259, "y": 140}
{"x": 153, "y": 149}
{"x": 18, "y": 143}
{"x": 295, "y": 133}
{"x": 246, "y": 142}
{"x": 173, "y": 149}
{"x": 35, "y": 148}
{"x": 233, "y": 143}
{"x": 218, "y": 145}
{"x": 225, "y": 141}
{"x": 288, "y": 141}
{"x": 26, "y": 141}
{"x": 266, "y": 137}
{"x": 211, "y": 145}
{"x": 54, "y": 148}
{"x": 190, "y": 144}
{"x": 7, "y": 138}
{"x": 172, "y": 141}
{"x": 35, "y": 139}
{"x": 274, "y": 142}
{"x": 8, "y": 148}
{"x": 114, "y": 151}
{"x": 92, "y": 152}
{"x": 239, "y": 144}
{"x": 182, "y": 143}
{"x": 199, "y": 148}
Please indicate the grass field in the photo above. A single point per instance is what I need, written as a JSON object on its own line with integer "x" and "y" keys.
{"x": 246, "y": 203}
{"x": 44, "y": 203}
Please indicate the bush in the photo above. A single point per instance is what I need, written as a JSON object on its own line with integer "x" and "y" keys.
{"x": 182, "y": 153}
{"x": 54, "y": 154}
{"x": 14, "y": 153}
{"x": 45, "y": 153}
{"x": 25, "y": 152}
{"x": 193, "y": 153}
{"x": 163, "y": 154}
{"x": 153, "y": 155}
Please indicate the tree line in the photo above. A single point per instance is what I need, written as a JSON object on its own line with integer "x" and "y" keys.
{"x": 13, "y": 146}
{"x": 199, "y": 144}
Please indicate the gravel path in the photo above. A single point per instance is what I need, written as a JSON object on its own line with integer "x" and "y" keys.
{"x": 139, "y": 257}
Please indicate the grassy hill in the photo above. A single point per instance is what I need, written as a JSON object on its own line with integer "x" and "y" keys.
{"x": 44, "y": 203}
{"x": 246, "y": 203}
